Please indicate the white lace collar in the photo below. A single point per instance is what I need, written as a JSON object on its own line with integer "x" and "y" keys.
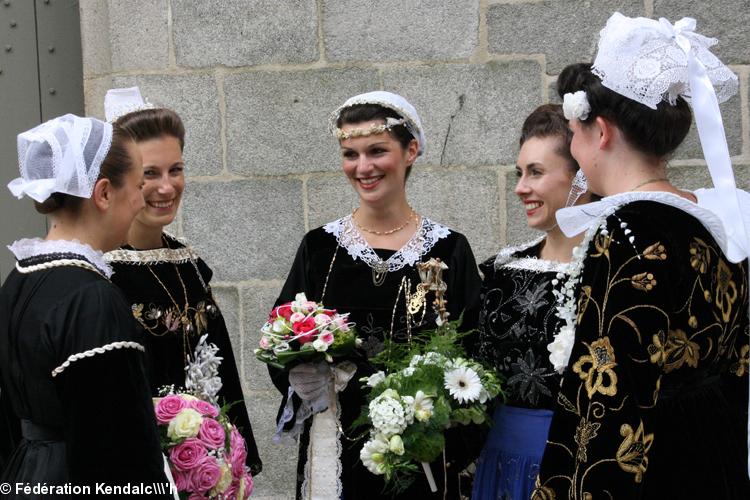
{"x": 574, "y": 220}
{"x": 424, "y": 238}
{"x": 506, "y": 258}
{"x": 33, "y": 247}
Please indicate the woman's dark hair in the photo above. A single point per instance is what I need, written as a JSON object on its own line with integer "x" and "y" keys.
{"x": 360, "y": 113}
{"x": 115, "y": 167}
{"x": 548, "y": 120}
{"x": 148, "y": 124}
{"x": 654, "y": 132}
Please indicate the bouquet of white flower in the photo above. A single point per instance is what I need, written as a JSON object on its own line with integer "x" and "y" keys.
{"x": 430, "y": 387}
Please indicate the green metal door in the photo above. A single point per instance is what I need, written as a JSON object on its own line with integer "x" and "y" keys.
{"x": 41, "y": 76}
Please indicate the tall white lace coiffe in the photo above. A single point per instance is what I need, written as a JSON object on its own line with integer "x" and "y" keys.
{"x": 62, "y": 155}
{"x": 120, "y": 102}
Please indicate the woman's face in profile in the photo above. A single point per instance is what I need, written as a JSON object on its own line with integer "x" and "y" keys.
{"x": 164, "y": 180}
{"x": 376, "y": 164}
{"x": 544, "y": 179}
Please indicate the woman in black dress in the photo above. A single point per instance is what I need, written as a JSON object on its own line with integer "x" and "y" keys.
{"x": 517, "y": 319}
{"x": 71, "y": 354}
{"x": 653, "y": 402}
{"x": 363, "y": 264}
{"x": 165, "y": 281}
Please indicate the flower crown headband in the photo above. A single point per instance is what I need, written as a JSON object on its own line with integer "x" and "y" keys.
{"x": 408, "y": 117}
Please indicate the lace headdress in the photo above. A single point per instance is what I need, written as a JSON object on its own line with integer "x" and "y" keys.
{"x": 62, "y": 155}
{"x": 120, "y": 102}
{"x": 409, "y": 117}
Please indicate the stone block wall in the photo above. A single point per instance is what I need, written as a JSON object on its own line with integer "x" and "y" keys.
{"x": 255, "y": 80}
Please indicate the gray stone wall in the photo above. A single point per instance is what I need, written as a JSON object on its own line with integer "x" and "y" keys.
{"x": 255, "y": 81}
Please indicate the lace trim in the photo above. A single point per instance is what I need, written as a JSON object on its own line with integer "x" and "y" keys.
{"x": 419, "y": 244}
{"x": 324, "y": 456}
{"x": 506, "y": 258}
{"x": 96, "y": 350}
{"x": 155, "y": 256}
{"x": 35, "y": 247}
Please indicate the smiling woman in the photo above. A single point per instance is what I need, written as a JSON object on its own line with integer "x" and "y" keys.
{"x": 518, "y": 319}
{"x": 164, "y": 280}
{"x": 362, "y": 264}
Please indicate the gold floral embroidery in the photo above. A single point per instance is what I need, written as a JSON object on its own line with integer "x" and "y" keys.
{"x": 680, "y": 350}
{"x": 632, "y": 454}
{"x": 137, "y": 311}
{"x": 585, "y": 432}
{"x": 700, "y": 256}
{"x": 726, "y": 290}
{"x": 583, "y": 302}
{"x": 743, "y": 364}
{"x": 601, "y": 243}
{"x": 601, "y": 357}
{"x": 655, "y": 252}
{"x": 542, "y": 492}
{"x": 657, "y": 352}
{"x": 643, "y": 281}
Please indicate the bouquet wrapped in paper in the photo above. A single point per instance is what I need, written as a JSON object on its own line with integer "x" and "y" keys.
{"x": 205, "y": 451}
{"x": 305, "y": 331}
{"x": 430, "y": 387}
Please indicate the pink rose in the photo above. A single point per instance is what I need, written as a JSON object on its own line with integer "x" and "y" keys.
{"x": 168, "y": 407}
{"x": 237, "y": 453}
{"x": 211, "y": 433}
{"x": 181, "y": 479}
{"x": 248, "y": 485}
{"x": 231, "y": 492}
{"x": 204, "y": 408}
{"x": 264, "y": 343}
{"x": 197, "y": 496}
{"x": 326, "y": 337}
{"x": 297, "y": 317}
{"x": 205, "y": 475}
{"x": 187, "y": 454}
{"x": 342, "y": 324}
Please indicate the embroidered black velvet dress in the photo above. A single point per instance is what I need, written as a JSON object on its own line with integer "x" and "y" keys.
{"x": 351, "y": 289}
{"x": 654, "y": 399}
{"x": 143, "y": 276}
{"x": 517, "y": 321}
{"x": 93, "y": 420}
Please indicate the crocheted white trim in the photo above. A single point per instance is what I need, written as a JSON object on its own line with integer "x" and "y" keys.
{"x": 96, "y": 350}
{"x": 349, "y": 237}
{"x": 506, "y": 258}
{"x": 34, "y": 247}
{"x": 155, "y": 256}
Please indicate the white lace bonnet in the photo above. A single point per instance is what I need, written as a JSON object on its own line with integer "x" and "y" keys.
{"x": 391, "y": 101}
{"x": 62, "y": 155}
{"x": 120, "y": 102}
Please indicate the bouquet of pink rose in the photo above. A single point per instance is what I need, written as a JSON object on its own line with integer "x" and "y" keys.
{"x": 206, "y": 453}
{"x": 305, "y": 331}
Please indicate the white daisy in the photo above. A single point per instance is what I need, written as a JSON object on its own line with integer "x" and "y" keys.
{"x": 463, "y": 383}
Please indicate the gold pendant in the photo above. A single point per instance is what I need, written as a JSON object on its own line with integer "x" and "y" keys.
{"x": 379, "y": 272}
{"x": 417, "y": 300}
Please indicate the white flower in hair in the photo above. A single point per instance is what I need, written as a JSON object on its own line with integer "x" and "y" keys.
{"x": 576, "y": 105}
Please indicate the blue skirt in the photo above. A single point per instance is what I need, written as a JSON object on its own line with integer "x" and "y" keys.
{"x": 509, "y": 463}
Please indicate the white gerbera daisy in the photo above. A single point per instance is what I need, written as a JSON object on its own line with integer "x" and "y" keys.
{"x": 463, "y": 383}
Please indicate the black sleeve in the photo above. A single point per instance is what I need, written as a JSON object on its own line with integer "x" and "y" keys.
{"x": 297, "y": 281}
{"x": 231, "y": 392}
{"x": 10, "y": 429}
{"x": 109, "y": 423}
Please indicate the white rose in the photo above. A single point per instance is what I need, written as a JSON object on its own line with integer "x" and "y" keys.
{"x": 320, "y": 345}
{"x": 186, "y": 424}
{"x": 375, "y": 378}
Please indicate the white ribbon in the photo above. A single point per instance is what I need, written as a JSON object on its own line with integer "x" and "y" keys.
{"x": 715, "y": 149}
